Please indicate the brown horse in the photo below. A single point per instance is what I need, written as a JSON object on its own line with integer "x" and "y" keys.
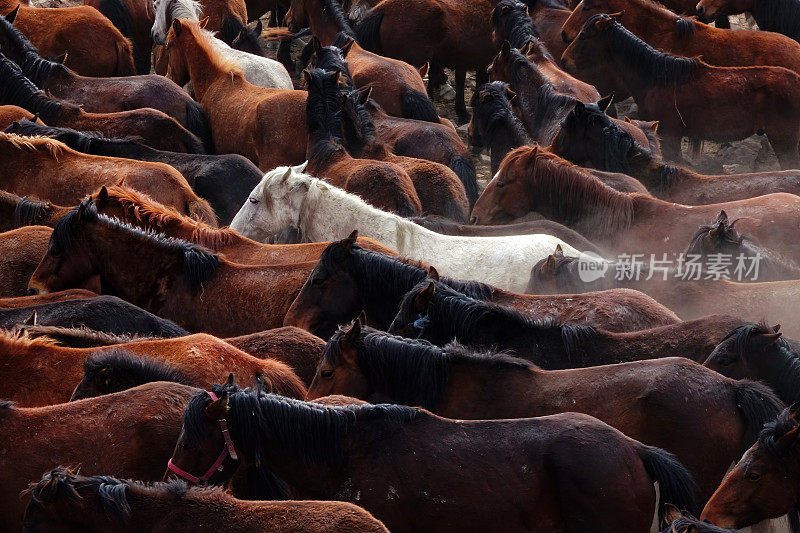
{"x": 103, "y": 95}
{"x": 349, "y": 279}
{"x": 531, "y": 179}
{"x": 398, "y": 86}
{"x": 153, "y": 127}
{"x": 382, "y": 184}
{"x": 16, "y": 211}
{"x": 267, "y": 126}
{"x": 20, "y": 253}
{"x": 511, "y": 22}
{"x": 589, "y": 138}
{"x": 63, "y": 496}
{"x": 179, "y": 281}
{"x": 147, "y": 419}
{"x": 676, "y": 91}
{"x": 764, "y": 484}
{"x": 133, "y": 18}
{"x": 449, "y": 33}
{"x": 11, "y": 113}
{"x": 419, "y": 484}
{"x": 91, "y": 43}
{"x": 43, "y": 373}
{"x": 37, "y": 165}
{"x": 705, "y": 419}
{"x": 779, "y": 17}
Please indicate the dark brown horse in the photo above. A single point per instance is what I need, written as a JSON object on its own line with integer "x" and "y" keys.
{"x": 437, "y": 313}
{"x": 382, "y": 184}
{"x": 185, "y": 283}
{"x": 92, "y": 46}
{"x": 151, "y": 126}
{"x": 315, "y": 450}
{"x": 642, "y": 399}
{"x": 20, "y": 251}
{"x": 147, "y": 419}
{"x": 764, "y": 484}
{"x": 675, "y": 91}
{"x": 106, "y": 503}
{"x": 349, "y": 278}
{"x": 104, "y": 95}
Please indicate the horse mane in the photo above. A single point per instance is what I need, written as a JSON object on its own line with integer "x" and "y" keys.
{"x": 781, "y": 16}
{"x": 19, "y": 339}
{"x": 7, "y": 405}
{"x": 203, "y": 38}
{"x": 323, "y": 117}
{"x": 81, "y": 141}
{"x": 518, "y": 64}
{"x": 573, "y": 192}
{"x": 152, "y": 213}
{"x": 79, "y": 337}
{"x": 62, "y": 484}
{"x": 497, "y": 114}
{"x": 334, "y": 10}
{"x": 18, "y": 90}
{"x": 519, "y": 27}
{"x": 36, "y": 68}
{"x": 39, "y": 144}
{"x": 359, "y": 119}
{"x": 684, "y": 27}
{"x": 768, "y": 438}
{"x": 141, "y": 369}
{"x": 199, "y": 264}
{"x": 186, "y": 9}
{"x": 309, "y": 431}
{"x": 656, "y": 67}
{"x": 28, "y": 211}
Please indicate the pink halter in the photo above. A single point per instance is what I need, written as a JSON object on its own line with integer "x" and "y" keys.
{"x": 228, "y": 449}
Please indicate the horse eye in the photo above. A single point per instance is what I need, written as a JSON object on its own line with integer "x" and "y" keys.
{"x": 753, "y": 476}
{"x": 327, "y": 373}
{"x": 253, "y": 200}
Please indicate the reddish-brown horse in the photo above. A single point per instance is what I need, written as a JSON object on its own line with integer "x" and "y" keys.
{"x": 705, "y": 419}
{"x": 265, "y": 125}
{"x": 39, "y": 372}
{"x": 764, "y": 484}
{"x": 20, "y": 253}
{"x": 179, "y": 281}
{"x": 93, "y": 46}
{"x": 676, "y": 91}
{"x": 16, "y": 211}
{"x": 38, "y": 165}
{"x": 89, "y": 433}
{"x": 84, "y": 502}
{"x": 11, "y": 113}
{"x": 531, "y": 179}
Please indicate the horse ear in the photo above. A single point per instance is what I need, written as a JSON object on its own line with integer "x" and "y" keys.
{"x": 423, "y": 70}
{"x": 424, "y": 297}
{"x": 616, "y": 16}
{"x": 526, "y": 48}
{"x": 788, "y": 439}
{"x": 230, "y": 381}
{"x": 353, "y": 334}
{"x": 549, "y": 265}
{"x": 510, "y": 94}
{"x": 505, "y": 49}
{"x": 671, "y": 514}
{"x": 722, "y": 217}
{"x": 259, "y": 28}
{"x": 350, "y": 240}
{"x": 346, "y": 48}
{"x": 204, "y": 22}
{"x": 776, "y": 327}
{"x": 580, "y": 109}
{"x": 363, "y": 95}
{"x": 559, "y": 253}
{"x": 307, "y": 77}
{"x": 316, "y": 45}
{"x": 13, "y": 15}
{"x": 604, "y": 102}
{"x": 654, "y": 126}
{"x": 177, "y": 27}
{"x": 31, "y": 320}
{"x": 35, "y": 118}
{"x": 102, "y": 196}
{"x": 219, "y": 408}
{"x": 759, "y": 343}
{"x": 433, "y": 273}
{"x": 604, "y": 22}
{"x": 62, "y": 59}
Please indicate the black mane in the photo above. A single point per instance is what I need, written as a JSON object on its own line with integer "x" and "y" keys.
{"x": 16, "y": 89}
{"x": 7, "y": 405}
{"x": 654, "y": 66}
{"x": 199, "y": 264}
{"x": 767, "y": 440}
{"x": 781, "y": 16}
{"x": 519, "y": 27}
{"x": 495, "y": 117}
{"x": 35, "y": 67}
{"x": 77, "y": 140}
{"x": 109, "y": 492}
{"x": 334, "y": 10}
{"x": 29, "y": 212}
{"x": 140, "y": 369}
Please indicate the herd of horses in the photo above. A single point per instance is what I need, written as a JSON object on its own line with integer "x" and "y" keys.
{"x": 252, "y": 278}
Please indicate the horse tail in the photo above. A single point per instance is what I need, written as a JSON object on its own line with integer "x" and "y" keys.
{"x": 676, "y": 485}
{"x": 200, "y": 209}
{"x": 757, "y": 405}
{"x": 231, "y": 26}
{"x": 368, "y": 31}
{"x": 197, "y": 123}
{"x": 465, "y": 171}
{"x": 418, "y": 106}
{"x": 125, "y": 66}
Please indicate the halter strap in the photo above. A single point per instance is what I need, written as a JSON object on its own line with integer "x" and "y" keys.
{"x": 228, "y": 449}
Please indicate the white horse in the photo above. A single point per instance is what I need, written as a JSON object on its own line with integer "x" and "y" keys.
{"x": 288, "y": 198}
{"x": 258, "y": 70}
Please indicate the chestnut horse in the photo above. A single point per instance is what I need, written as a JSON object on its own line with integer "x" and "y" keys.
{"x": 438, "y": 313}
{"x": 151, "y": 126}
{"x": 20, "y": 252}
{"x": 383, "y": 185}
{"x": 719, "y": 416}
{"x": 764, "y": 484}
{"x": 103, "y": 95}
{"x": 531, "y": 179}
{"x": 314, "y": 449}
{"x": 43, "y": 373}
{"x": 676, "y": 91}
{"x": 589, "y": 138}
{"x": 757, "y": 351}
{"x": 179, "y": 281}
{"x": 11, "y": 113}
{"x": 91, "y": 44}
{"x": 398, "y": 86}
{"x": 146, "y": 419}
{"x": 106, "y": 503}
{"x": 267, "y": 126}
{"x": 37, "y": 165}
{"x": 781, "y": 16}
{"x": 349, "y": 278}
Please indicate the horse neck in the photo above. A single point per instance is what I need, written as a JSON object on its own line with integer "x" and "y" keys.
{"x": 125, "y": 149}
{"x": 323, "y": 25}
{"x": 649, "y": 18}
{"x": 380, "y": 294}
{"x": 654, "y": 174}
{"x": 526, "y": 75}
{"x": 200, "y": 62}
{"x": 782, "y": 371}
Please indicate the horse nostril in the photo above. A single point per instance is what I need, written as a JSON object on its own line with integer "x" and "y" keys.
{"x": 564, "y": 36}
